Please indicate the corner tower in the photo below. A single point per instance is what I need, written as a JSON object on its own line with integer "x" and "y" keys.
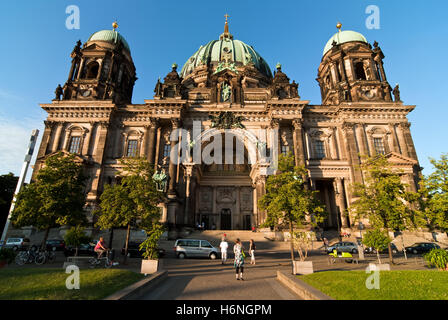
{"x": 352, "y": 71}
{"x": 102, "y": 69}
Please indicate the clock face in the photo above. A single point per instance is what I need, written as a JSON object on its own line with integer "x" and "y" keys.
{"x": 86, "y": 93}
{"x": 368, "y": 94}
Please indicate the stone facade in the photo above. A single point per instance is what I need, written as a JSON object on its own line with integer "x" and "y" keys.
{"x": 96, "y": 120}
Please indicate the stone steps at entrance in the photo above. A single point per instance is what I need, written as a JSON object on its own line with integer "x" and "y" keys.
{"x": 231, "y": 235}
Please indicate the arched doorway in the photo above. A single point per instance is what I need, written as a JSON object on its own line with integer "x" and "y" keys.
{"x": 225, "y": 189}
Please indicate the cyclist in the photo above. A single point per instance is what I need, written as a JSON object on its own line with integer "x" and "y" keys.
{"x": 100, "y": 247}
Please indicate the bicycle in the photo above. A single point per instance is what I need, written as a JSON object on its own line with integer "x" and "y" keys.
{"x": 44, "y": 256}
{"x": 27, "y": 256}
{"x": 95, "y": 261}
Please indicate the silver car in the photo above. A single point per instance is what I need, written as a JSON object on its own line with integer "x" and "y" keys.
{"x": 194, "y": 248}
{"x": 344, "y": 246}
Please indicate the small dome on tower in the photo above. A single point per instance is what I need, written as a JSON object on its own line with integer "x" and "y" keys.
{"x": 344, "y": 37}
{"x": 111, "y": 36}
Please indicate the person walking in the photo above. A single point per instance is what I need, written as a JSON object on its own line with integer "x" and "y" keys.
{"x": 223, "y": 245}
{"x": 252, "y": 251}
{"x": 239, "y": 259}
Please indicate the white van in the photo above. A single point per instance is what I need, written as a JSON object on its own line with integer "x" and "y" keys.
{"x": 194, "y": 248}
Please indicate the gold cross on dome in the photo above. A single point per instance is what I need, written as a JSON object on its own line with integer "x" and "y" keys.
{"x": 226, "y": 16}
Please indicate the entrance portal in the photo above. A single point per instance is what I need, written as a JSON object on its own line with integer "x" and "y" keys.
{"x": 226, "y": 219}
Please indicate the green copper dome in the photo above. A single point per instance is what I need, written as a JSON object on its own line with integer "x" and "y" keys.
{"x": 226, "y": 49}
{"x": 111, "y": 36}
{"x": 343, "y": 37}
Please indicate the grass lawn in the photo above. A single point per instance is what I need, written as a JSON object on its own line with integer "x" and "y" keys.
{"x": 49, "y": 284}
{"x": 394, "y": 285}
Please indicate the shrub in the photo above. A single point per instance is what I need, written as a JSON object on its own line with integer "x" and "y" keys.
{"x": 376, "y": 239}
{"x": 75, "y": 237}
{"x": 7, "y": 255}
{"x": 437, "y": 258}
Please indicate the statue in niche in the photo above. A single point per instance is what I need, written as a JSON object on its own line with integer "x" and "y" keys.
{"x": 160, "y": 178}
{"x": 226, "y": 92}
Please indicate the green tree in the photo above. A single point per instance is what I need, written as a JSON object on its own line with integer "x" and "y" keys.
{"x": 378, "y": 240}
{"x": 434, "y": 195}
{"x": 56, "y": 198}
{"x": 383, "y": 199}
{"x": 76, "y": 236}
{"x": 288, "y": 200}
{"x": 131, "y": 202}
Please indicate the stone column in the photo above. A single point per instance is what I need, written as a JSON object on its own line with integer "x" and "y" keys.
{"x": 238, "y": 207}
{"x": 341, "y": 201}
{"x": 151, "y": 144}
{"x": 66, "y": 144}
{"x": 275, "y": 139}
{"x": 86, "y": 141}
{"x": 49, "y": 125}
{"x": 299, "y": 152}
{"x": 188, "y": 175}
{"x": 260, "y": 189}
{"x": 405, "y": 128}
{"x": 361, "y": 138}
{"x": 351, "y": 150}
{"x": 335, "y": 144}
{"x": 402, "y": 140}
{"x": 255, "y": 206}
{"x": 214, "y": 198}
{"x": 57, "y": 137}
{"x": 98, "y": 158}
{"x": 172, "y": 166}
{"x": 394, "y": 144}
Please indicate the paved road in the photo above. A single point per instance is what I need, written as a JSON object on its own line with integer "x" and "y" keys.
{"x": 200, "y": 279}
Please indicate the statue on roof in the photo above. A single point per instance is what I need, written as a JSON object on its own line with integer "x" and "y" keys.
{"x": 58, "y": 92}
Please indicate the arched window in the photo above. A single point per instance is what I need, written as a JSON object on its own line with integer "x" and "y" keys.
{"x": 92, "y": 70}
{"x": 359, "y": 71}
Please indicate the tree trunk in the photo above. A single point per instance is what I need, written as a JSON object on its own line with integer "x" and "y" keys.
{"x": 292, "y": 245}
{"x": 128, "y": 232}
{"x": 76, "y": 251}
{"x": 111, "y": 237}
{"x": 43, "y": 246}
{"x": 391, "y": 258}
{"x": 378, "y": 255}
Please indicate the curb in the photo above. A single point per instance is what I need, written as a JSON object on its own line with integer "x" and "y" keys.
{"x": 136, "y": 290}
{"x": 302, "y": 289}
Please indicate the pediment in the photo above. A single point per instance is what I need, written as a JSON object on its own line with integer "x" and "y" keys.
{"x": 397, "y": 159}
{"x": 94, "y": 47}
{"x": 78, "y": 158}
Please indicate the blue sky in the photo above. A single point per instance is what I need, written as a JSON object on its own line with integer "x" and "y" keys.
{"x": 34, "y": 55}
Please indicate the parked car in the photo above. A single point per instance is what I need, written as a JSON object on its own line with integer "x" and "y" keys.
{"x": 343, "y": 246}
{"x": 17, "y": 243}
{"x": 421, "y": 247}
{"x": 55, "y": 243}
{"x": 373, "y": 250}
{"x": 134, "y": 251}
{"x": 184, "y": 248}
{"x": 85, "y": 249}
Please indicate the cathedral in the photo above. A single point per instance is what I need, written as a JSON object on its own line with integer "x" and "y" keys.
{"x": 227, "y": 88}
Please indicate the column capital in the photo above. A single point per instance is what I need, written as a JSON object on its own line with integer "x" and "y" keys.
{"x": 49, "y": 124}
{"x": 153, "y": 122}
{"x": 274, "y": 123}
{"x": 297, "y": 123}
{"x": 347, "y": 126}
{"x": 404, "y": 125}
{"x": 175, "y": 123}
